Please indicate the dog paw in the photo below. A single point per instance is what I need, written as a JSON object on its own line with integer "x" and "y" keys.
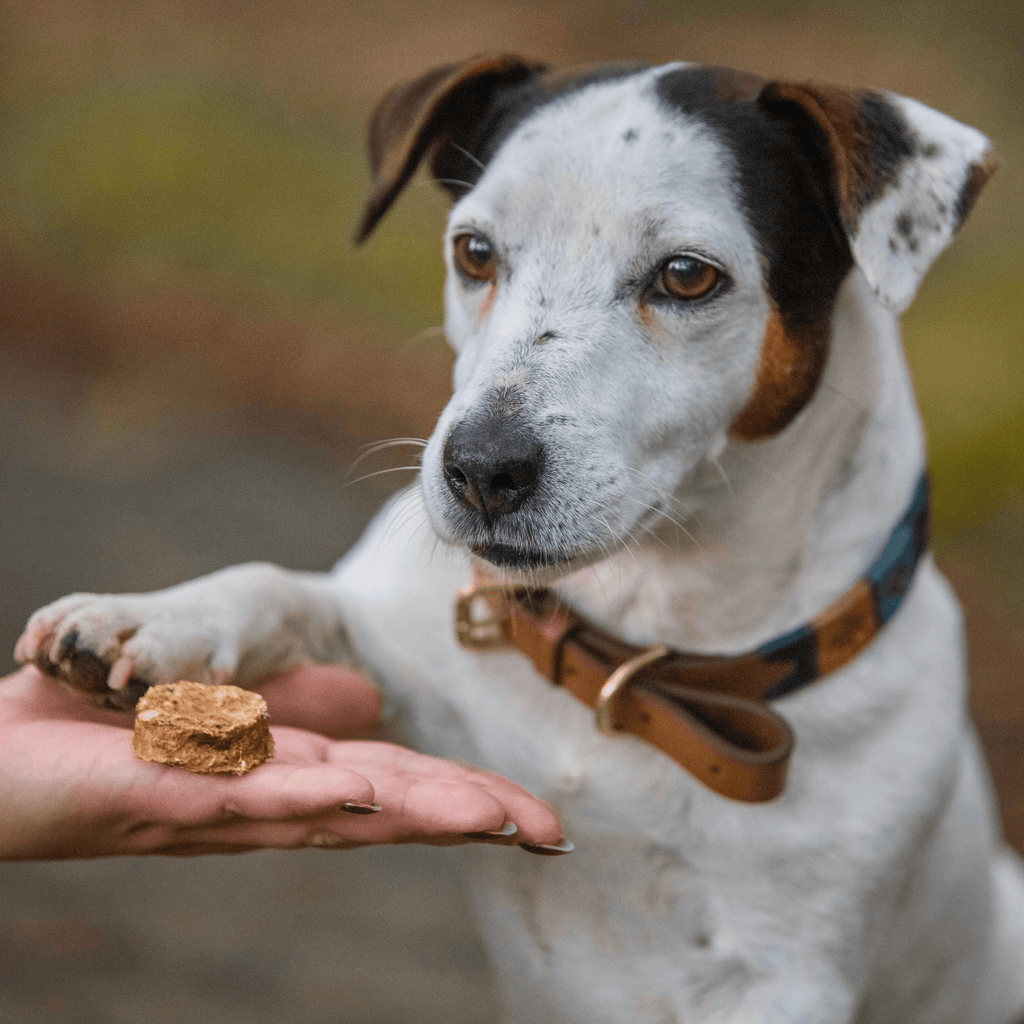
{"x": 111, "y": 648}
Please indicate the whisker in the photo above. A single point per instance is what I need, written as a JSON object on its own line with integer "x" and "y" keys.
{"x": 611, "y": 533}
{"x": 649, "y": 530}
{"x": 391, "y": 442}
{"x": 407, "y": 516}
{"x": 664, "y": 509}
{"x": 466, "y": 153}
{"x": 433, "y": 550}
{"x": 424, "y": 522}
{"x": 404, "y": 507}
{"x": 380, "y": 472}
{"x": 665, "y": 500}
{"x": 379, "y": 446}
{"x": 452, "y": 181}
{"x": 716, "y": 462}
{"x": 408, "y": 507}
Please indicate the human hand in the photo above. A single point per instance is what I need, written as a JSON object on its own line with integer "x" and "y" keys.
{"x": 70, "y": 786}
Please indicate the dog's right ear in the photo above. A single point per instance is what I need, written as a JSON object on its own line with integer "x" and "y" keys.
{"x": 455, "y": 113}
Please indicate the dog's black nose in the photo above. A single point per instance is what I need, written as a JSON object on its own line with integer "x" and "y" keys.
{"x": 492, "y": 464}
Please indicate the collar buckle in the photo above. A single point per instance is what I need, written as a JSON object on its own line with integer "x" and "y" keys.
{"x": 620, "y": 678}
{"x": 480, "y": 615}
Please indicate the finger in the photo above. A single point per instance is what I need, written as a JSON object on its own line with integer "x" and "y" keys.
{"x": 439, "y": 814}
{"x": 537, "y": 823}
{"x": 269, "y": 793}
{"x": 449, "y": 811}
{"x": 281, "y": 792}
{"x": 334, "y": 701}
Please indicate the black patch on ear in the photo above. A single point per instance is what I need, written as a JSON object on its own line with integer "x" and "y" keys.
{"x": 905, "y": 227}
{"x": 890, "y": 147}
{"x": 785, "y": 187}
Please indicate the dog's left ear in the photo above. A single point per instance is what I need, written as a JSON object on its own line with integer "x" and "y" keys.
{"x": 905, "y": 177}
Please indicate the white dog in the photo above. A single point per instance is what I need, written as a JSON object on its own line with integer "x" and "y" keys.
{"x": 681, "y": 406}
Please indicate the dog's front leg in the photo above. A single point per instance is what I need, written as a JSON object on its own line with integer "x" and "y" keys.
{"x": 797, "y": 999}
{"x": 239, "y": 624}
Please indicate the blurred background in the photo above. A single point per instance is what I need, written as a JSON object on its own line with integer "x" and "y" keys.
{"x": 192, "y": 352}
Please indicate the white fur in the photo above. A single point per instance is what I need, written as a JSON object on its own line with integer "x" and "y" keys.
{"x": 876, "y": 889}
{"x": 925, "y": 195}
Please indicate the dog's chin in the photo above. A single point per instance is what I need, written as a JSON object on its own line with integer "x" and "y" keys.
{"x": 530, "y": 566}
{"x": 508, "y": 556}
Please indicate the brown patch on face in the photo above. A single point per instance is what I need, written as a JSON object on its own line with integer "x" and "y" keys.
{"x": 653, "y": 325}
{"x": 792, "y": 361}
{"x": 488, "y": 301}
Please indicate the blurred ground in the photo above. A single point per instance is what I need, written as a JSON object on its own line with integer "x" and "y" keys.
{"x": 191, "y": 353}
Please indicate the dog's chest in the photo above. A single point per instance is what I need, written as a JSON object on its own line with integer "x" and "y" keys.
{"x": 700, "y": 889}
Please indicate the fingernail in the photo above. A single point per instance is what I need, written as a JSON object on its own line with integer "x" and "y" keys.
{"x": 508, "y": 829}
{"x": 353, "y": 808}
{"x": 556, "y": 850}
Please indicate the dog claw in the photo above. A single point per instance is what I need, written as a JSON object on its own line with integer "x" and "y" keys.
{"x": 120, "y": 673}
{"x": 89, "y": 675}
{"x": 25, "y": 648}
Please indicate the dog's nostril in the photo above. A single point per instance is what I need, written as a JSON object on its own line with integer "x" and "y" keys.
{"x": 503, "y": 482}
{"x": 491, "y": 465}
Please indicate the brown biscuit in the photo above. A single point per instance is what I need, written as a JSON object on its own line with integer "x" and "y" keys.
{"x": 206, "y": 729}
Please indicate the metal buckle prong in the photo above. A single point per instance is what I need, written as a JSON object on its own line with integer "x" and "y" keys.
{"x": 483, "y": 634}
{"x": 617, "y": 680}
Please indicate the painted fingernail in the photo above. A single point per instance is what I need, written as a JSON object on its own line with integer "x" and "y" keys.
{"x": 555, "y": 850}
{"x": 353, "y": 808}
{"x": 508, "y": 829}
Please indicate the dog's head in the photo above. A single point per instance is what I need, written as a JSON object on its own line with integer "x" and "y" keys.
{"x": 642, "y": 266}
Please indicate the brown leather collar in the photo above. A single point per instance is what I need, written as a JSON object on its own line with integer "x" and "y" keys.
{"x": 709, "y": 713}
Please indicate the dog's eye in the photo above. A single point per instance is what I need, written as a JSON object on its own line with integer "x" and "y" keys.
{"x": 474, "y": 257}
{"x": 688, "y": 278}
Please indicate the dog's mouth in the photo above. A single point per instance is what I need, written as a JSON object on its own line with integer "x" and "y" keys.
{"x": 508, "y": 557}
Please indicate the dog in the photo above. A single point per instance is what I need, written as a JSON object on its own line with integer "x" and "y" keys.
{"x": 677, "y": 512}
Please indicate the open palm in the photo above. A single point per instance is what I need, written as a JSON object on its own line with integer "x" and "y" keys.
{"x": 70, "y": 786}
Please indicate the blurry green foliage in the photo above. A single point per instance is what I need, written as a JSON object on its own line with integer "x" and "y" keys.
{"x": 965, "y": 346}
{"x": 218, "y": 180}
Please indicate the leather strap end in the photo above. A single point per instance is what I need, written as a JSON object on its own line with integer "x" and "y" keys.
{"x": 736, "y": 748}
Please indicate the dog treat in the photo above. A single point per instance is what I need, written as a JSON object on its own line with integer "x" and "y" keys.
{"x": 207, "y": 729}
